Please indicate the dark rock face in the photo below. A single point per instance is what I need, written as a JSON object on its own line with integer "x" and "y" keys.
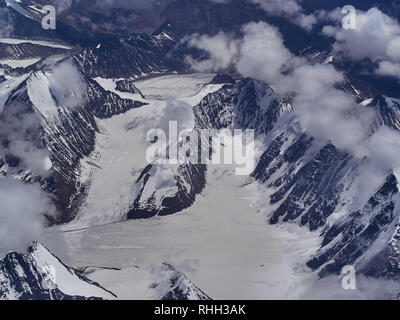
{"x": 310, "y": 182}
{"x": 28, "y": 51}
{"x": 265, "y": 168}
{"x": 22, "y": 278}
{"x": 310, "y": 179}
{"x": 345, "y": 242}
{"x": 127, "y": 86}
{"x": 31, "y": 279}
{"x": 135, "y": 55}
{"x": 181, "y": 187}
{"x": 69, "y": 136}
{"x": 248, "y": 104}
{"x": 308, "y": 194}
{"x": 105, "y": 104}
{"x": 78, "y": 131}
{"x": 388, "y": 112}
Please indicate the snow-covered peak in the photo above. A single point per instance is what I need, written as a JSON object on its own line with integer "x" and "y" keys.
{"x": 41, "y": 275}
{"x": 174, "y": 285}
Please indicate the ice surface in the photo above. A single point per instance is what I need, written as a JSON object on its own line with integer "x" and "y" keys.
{"x": 120, "y": 153}
{"x": 223, "y": 244}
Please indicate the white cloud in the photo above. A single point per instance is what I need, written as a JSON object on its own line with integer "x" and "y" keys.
{"x": 222, "y": 50}
{"x": 307, "y": 22}
{"x": 387, "y": 68}
{"x": 324, "y": 111}
{"x": 259, "y": 54}
{"x": 262, "y": 53}
{"x": 20, "y": 129}
{"x": 66, "y": 85}
{"x": 22, "y": 214}
{"x": 290, "y": 9}
{"x": 278, "y": 7}
{"x": 62, "y": 5}
{"x": 330, "y": 16}
{"x": 368, "y": 288}
{"x": 6, "y": 25}
{"x": 376, "y": 37}
{"x": 177, "y": 111}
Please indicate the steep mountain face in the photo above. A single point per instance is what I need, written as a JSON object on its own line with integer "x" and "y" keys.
{"x": 39, "y": 275}
{"x": 389, "y": 111}
{"x": 127, "y": 86}
{"x": 67, "y": 136}
{"x": 164, "y": 190}
{"x": 311, "y": 182}
{"x": 18, "y": 54}
{"x": 105, "y": 104}
{"x": 307, "y": 178}
{"x": 366, "y": 236}
{"x": 67, "y": 132}
{"x": 132, "y": 56}
{"x": 174, "y": 285}
{"x": 248, "y": 104}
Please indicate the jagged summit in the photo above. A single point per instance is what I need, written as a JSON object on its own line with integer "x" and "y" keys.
{"x": 29, "y": 276}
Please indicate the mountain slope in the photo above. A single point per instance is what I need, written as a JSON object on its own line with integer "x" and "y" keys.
{"x": 128, "y": 57}
{"x": 62, "y": 124}
{"x": 313, "y": 183}
{"x": 29, "y": 277}
{"x": 353, "y": 239}
{"x": 174, "y": 285}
